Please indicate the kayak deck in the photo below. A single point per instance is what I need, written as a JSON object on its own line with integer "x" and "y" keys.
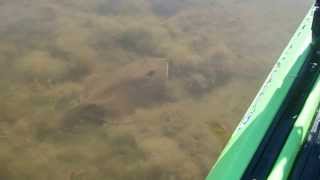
{"x": 269, "y": 142}
{"x": 268, "y": 151}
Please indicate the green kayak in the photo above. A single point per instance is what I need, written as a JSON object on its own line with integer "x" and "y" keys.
{"x": 279, "y": 136}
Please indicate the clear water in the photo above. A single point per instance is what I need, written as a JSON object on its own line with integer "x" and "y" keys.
{"x": 130, "y": 90}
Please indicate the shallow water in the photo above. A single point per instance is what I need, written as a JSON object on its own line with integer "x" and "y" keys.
{"x": 130, "y": 90}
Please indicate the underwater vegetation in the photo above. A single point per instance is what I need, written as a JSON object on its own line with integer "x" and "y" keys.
{"x": 130, "y": 90}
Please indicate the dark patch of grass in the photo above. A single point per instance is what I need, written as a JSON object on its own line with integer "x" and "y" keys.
{"x": 83, "y": 116}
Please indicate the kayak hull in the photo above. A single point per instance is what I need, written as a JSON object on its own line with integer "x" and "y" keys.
{"x": 243, "y": 144}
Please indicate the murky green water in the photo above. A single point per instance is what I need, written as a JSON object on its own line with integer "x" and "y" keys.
{"x": 130, "y": 90}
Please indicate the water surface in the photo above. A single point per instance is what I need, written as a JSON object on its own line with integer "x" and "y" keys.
{"x": 130, "y": 90}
